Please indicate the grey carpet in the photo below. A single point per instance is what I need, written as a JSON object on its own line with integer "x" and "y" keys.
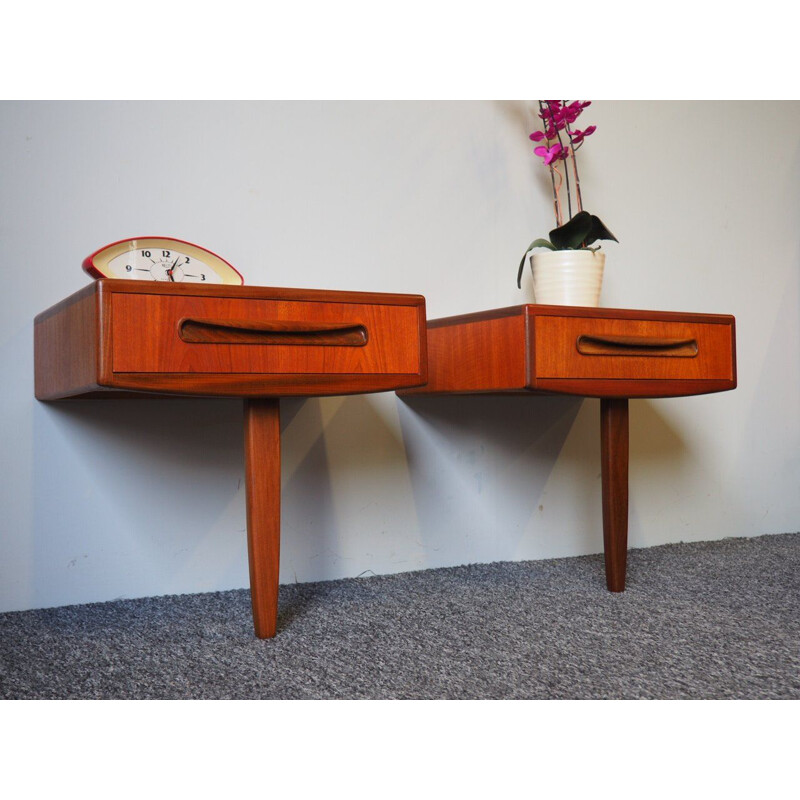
{"x": 705, "y": 620}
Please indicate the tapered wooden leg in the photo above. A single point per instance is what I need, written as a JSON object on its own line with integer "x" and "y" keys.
{"x": 614, "y": 457}
{"x": 262, "y": 469}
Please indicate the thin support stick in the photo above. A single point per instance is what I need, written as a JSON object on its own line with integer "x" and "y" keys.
{"x": 262, "y": 459}
{"x": 614, "y": 470}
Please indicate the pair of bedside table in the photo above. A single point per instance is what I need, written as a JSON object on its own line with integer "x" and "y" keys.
{"x": 120, "y": 338}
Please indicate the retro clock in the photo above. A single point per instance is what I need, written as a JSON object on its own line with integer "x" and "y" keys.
{"x": 159, "y": 258}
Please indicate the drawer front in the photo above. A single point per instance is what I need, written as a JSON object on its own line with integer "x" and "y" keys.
{"x": 596, "y": 348}
{"x": 190, "y": 334}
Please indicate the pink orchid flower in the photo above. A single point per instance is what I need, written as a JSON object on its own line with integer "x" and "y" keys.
{"x": 555, "y": 122}
{"x": 551, "y": 109}
{"x": 579, "y": 136}
{"x": 559, "y": 115}
{"x": 549, "y": 133}
{"x": 551, "y": 154}
{"x": 574, "y": 110}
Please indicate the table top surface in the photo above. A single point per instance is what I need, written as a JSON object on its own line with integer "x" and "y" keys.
{"x": 588, "y": 312}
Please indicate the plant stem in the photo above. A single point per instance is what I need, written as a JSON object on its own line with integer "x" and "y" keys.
{"x": 577, "y": 182}
{"x": 560, "y": 216}
{"x": 552, "y": 176}
{"x": 577, "y": 179}
{"x": 575, "y": 170}
{"x": 566, "y": 171}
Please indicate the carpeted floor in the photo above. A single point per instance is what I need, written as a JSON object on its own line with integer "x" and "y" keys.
{"x": 705, "y": 620}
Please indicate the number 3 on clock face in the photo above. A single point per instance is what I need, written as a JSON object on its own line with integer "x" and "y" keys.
{"x": 153, "y": 258}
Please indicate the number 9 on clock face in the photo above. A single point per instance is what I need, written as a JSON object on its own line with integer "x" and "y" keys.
{"x": 160, "y": 259}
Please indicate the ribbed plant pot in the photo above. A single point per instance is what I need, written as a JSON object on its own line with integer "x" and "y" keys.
{"x": 567, "y": 277}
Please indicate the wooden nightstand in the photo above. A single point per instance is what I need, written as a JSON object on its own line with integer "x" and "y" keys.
{"x": 120, "y": 338}
{"x": 613, "y": 354}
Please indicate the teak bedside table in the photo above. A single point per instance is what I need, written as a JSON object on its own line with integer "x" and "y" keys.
{"x": 613, "y": 354}
{"x": 125, "y": 338}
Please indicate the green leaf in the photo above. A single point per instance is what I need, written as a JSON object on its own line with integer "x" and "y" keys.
{"x": 598, "y": 231}
{"x": 534, "y": 243}
{"x": 571, "y": 235}
{"x": 581, "y": 231}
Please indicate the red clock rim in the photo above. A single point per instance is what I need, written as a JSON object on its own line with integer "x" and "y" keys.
{"x": 91, "y": 269}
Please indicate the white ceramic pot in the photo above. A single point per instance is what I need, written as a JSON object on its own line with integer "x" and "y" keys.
{"x": 567, "y": 277}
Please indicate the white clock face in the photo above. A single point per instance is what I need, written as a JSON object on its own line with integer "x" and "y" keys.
{"x": 158, "y": 264}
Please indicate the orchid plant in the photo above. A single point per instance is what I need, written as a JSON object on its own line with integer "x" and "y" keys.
{"x": 561, "y": 141}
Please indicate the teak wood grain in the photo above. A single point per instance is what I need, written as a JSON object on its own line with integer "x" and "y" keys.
{"x": 539, "y": 349}
{"x": 392, "y": 339}
{"x": 262, "y": 459}
{"x": 121, "y": 335}
{"x": 613, "y": 354}
{"x": 559, "y": 351}
{"x": 66, "y": 347}
{"x": 118, "y": 338}
{"x": 603, "y": 344}
{"x": 238, "y": 331}
{"x": 614, "y": 470}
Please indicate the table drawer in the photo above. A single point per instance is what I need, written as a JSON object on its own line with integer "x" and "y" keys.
{"x": 573, "y": 347}
{"x": 179, "y": 334}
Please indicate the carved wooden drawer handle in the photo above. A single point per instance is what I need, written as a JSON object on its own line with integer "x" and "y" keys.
{"x": 210, "y": 331}
{"x": 589, "y": 345}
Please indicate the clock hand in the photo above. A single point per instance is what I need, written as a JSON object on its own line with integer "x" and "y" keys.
{"x": 169, "y": 271}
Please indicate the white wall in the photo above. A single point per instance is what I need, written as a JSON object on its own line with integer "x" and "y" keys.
{"x": 110, "y": 499}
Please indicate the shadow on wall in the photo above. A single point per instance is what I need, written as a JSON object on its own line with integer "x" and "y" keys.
{"x": 146, "y": 497}
{"x": 520, "y": 477}
{"x": 659, "y": 458}
{"x": 130, "y": 495}
{"x": 479, "y": 466}
{"x": 346, "y": 490}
